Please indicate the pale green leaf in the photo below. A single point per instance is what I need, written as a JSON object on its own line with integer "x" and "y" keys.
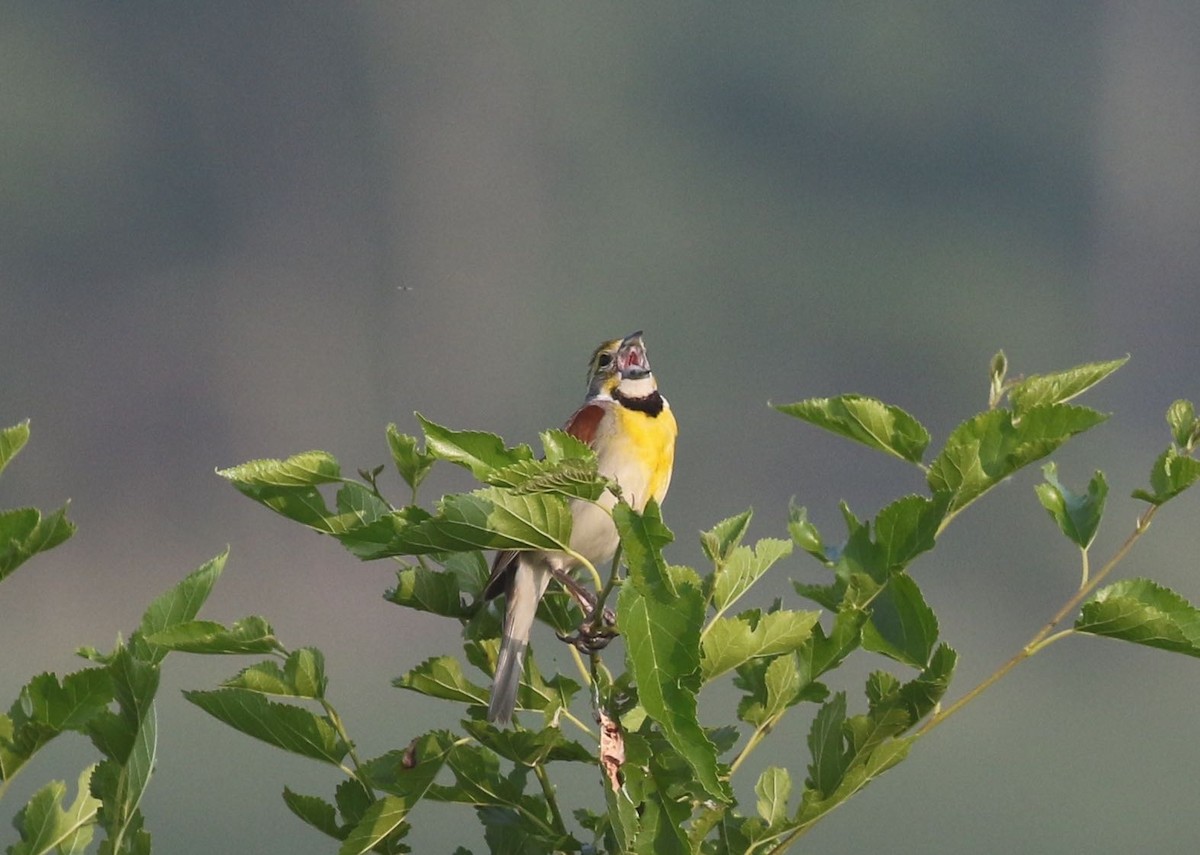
{"x": 412, "y": 463}
{"x": 249, "y": 635}
{"x": 1185, "y": 427}
{"x": 47, "y": 827}
{"x": 12, "y": 440}
{"x": 178, "y": 605}
{"x": 730, "y": 641}
{"x": 381, "y": 819}
{"x": 773, "y": 789}
{"x": 742, "y": 569}
{"x": 25, "y": 532}
{"x": 866, "y": 420}
{"x": 307, "y": 469}
{"x": 1171, "y": 474}
{"x": 1060, "y": 386}
{"x": 442, "y": 677}
{"x": 719, "y": 541}
{"x": 475, "y": 450}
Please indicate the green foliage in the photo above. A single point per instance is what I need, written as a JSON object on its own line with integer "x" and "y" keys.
{"x": 669, "y": 782}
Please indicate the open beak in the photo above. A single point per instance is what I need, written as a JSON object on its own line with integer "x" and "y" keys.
{"x": 631, "y": 358}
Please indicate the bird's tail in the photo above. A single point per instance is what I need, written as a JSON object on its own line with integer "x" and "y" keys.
{"x": 528, "y": 584}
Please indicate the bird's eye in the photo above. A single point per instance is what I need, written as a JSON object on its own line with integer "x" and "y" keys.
{"x": 604, "y": 360}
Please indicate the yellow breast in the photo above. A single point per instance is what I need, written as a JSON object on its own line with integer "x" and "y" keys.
{"x": 640, "y": 453}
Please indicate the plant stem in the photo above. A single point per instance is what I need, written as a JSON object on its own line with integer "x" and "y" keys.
{"x": 539, "y": 770}
{"x": 1043, "y": 637}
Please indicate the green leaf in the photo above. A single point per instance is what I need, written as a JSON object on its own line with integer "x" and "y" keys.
{"x": 529, "y": 747}
{"x": 861, "y": 771}
{"x": 1185, "y": 427}
{"x": 729, "y": 642}
{"x": 571, "y": 478}
{"x": 491, "y": 518}
{"x": 773, "y": 789}
{"x": 1171, "y": 474}
{"x": 825, "y": 745}
{"x": 804, "y": 534}
{"x": 384, "y": 816}
{"x": 734, "y": 577}
{"x": 302, "y": 676}
{"x": 282, "y": 725}
{"x": 428, "y": 591}
{"x": 442, "y": 677}
{"x": 475, "y": 450}
{"x": 1143, "y": 612}
{"x": 660, "y": 623}
{"x": 907, "y": 527}
{"x": 249, "y": 635}
{"x": 409, "y": 774}
{"x": 24, "y": 533}
{"x": 307, "y": 469}
{"x": 412, "y": 464}
{"x": 560, "y": 445}
{"x": 178, "y": 605}
{"x": 1078, "y": 516}
{"x": 866, "y": 420}
{"x": 719, "y": 541}
{"x": 986, "y": 449}
{"x": 902, "y": 626}
{"x": 1061, "y": 386}
{"x": 315, "y": 811}
{"x": 46, "y": 704}
{"x": 12, "y": 440}
{"x": 289, "y": 487}
{"x": 46, "y": 826}
{"x": 772, "y": 689}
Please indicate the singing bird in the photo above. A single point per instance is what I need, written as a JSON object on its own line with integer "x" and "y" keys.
{"x": 631, "y": 428}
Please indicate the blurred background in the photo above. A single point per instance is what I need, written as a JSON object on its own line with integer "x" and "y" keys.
{"x": 244, "y": 230}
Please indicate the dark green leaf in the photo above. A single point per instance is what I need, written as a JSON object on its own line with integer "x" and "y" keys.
{"x": 728, "y": 642}
{"x": 412, "y": 464}
{"x": 660, "y": 623}
{"x": 866, "y": 420}
{"x": 428, "y": 591}
{"x": 282, "y": 725}
{"x": 475, "y": 450}
{"x": 908, "y": 527}
{"x": 1078, "y": 516}
{"x": 442, "y": 677}
{"x": 719, "y": 541}
{"x": 12, "y": 440}
{"x": 46, "y": 826}
{"x": 529, "y": 747}
{"x": 1143, "y": 612}
{"x": 1171, "y": 475}
{"x": 902, "y": 625}
{"x": 1061, "y": 386}
{"x": 825, "y": 745}
{"x": 315, "y": 811}
{"x": 410, "y": 773}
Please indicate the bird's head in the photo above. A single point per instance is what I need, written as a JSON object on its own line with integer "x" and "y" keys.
{"x": 621, "y": 364}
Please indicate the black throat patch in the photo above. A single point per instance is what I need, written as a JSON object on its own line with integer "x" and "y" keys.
{"x": 651, "y": 404}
